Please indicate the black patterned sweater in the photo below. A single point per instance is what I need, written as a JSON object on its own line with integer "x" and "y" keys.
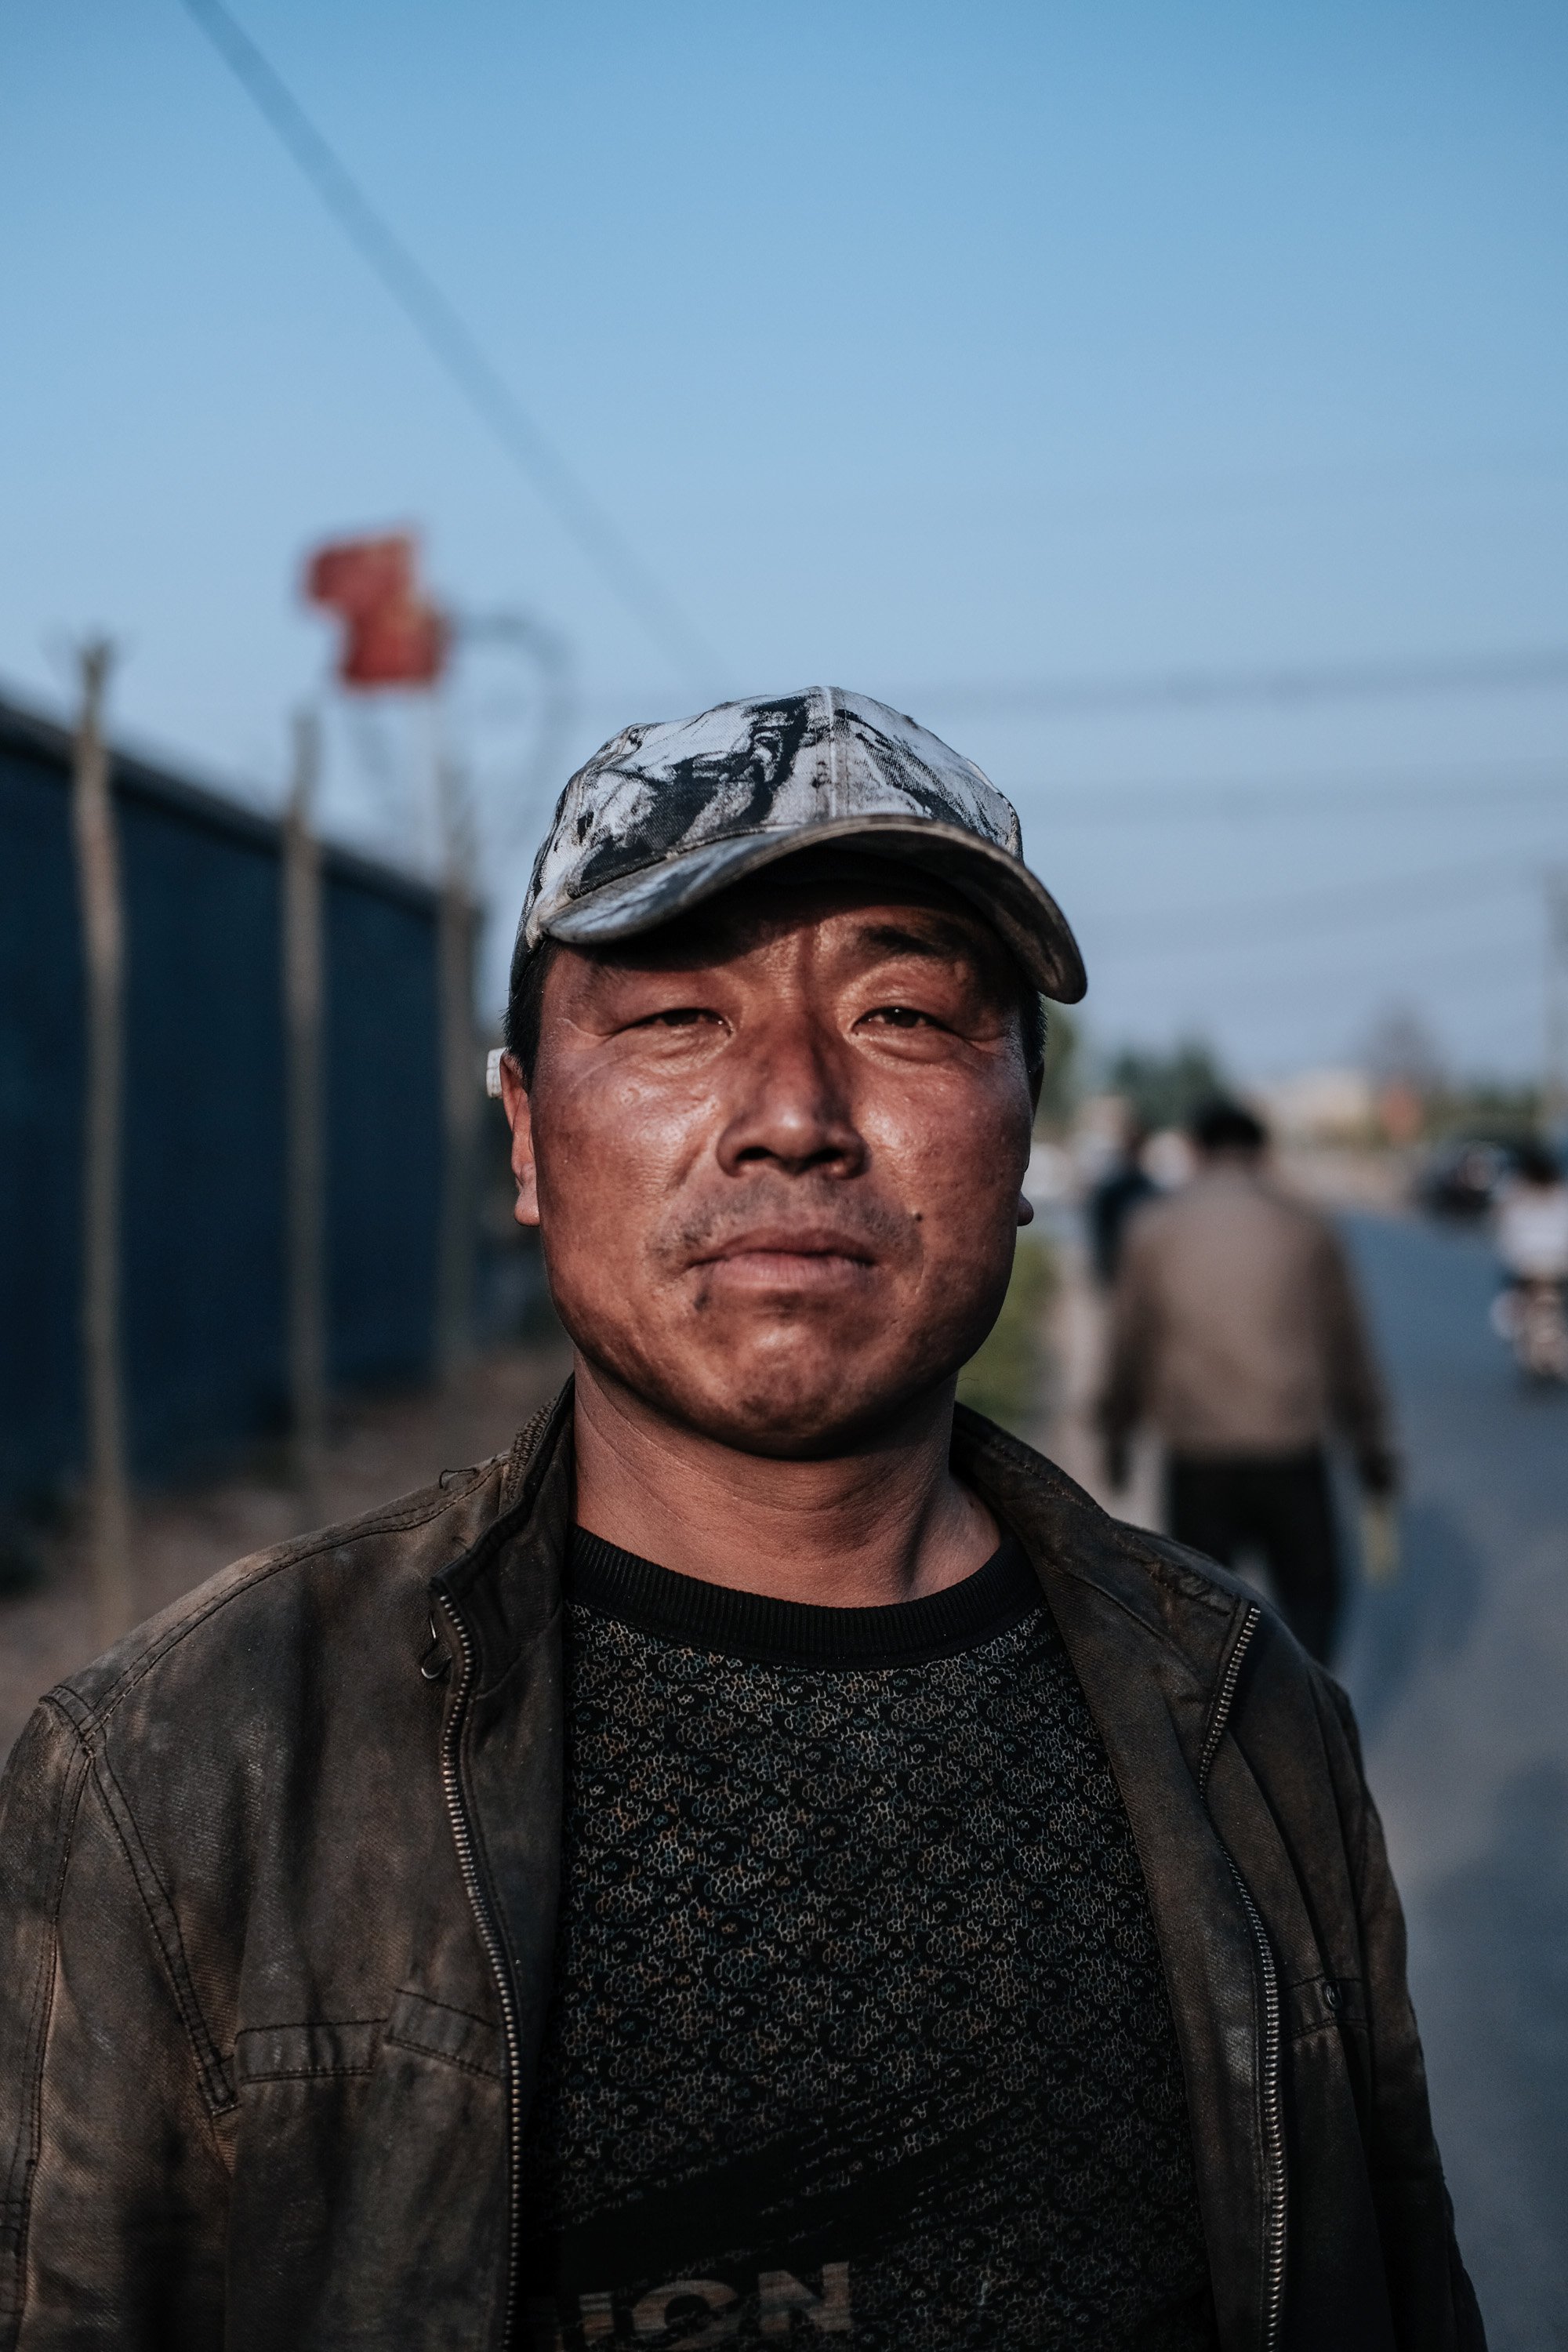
{"x": 859, "y": 2032}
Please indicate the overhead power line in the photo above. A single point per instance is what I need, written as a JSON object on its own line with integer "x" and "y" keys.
{"x": 1512, "y": 971}
{"x": 1093, "y": 697}
{"x": 1378, "y": 900}
{"x": 1524, "y": 785}
{"x": 453, "y": 343}
{"x": 1114, "y": 696}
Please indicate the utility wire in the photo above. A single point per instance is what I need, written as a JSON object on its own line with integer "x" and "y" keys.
{"x": 1286, "y": 688}
{"x": 1380, "y": 901}
{"x": 452, "y": 343}
{"x": 1511, "y": 972}
{"x": 1527, "y": 786}
{"x": 1093, "y": 697}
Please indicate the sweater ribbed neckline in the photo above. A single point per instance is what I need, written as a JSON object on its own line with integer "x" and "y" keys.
{"x": 755, "y": 1626}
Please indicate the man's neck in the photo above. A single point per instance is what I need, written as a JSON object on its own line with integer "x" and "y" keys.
{"x": 885, "y": 1523}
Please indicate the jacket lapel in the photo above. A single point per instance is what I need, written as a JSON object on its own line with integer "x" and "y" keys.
{"x": 512, "y": 1748}
{"x": 1148, "y": 1640}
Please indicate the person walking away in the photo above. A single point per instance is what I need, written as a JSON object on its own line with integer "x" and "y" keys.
{"x": 1235, "y": 1332}
{"x": 1119, "y": 1193}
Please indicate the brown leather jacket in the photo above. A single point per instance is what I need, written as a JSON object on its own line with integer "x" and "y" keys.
{"x": 277, "y": 1888}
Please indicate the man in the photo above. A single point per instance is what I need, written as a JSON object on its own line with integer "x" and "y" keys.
{"x": 1120, "y": 1192}
{"x": 766, "y": 1861}
{"x": 1235, "y": 1329}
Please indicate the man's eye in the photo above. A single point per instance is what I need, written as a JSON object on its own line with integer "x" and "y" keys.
{"x": 901, "y": 1016}
{"x": 676, "y": 1017}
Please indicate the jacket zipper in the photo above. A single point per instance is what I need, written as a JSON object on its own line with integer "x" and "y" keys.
{"x": 1273, "y": 2111}
{"x": 495, "y": 1951}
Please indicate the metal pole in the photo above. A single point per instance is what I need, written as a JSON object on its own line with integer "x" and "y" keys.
{"x": 460, "y": 1079}
{"x": 103, "y": 949}
{"x": 1554, "y": 1092}
{"x": 303, "y": 1001}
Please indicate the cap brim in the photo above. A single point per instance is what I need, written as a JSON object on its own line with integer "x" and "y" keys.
{"x": 1020, "y": 910}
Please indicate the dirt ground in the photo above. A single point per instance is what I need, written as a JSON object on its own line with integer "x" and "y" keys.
{"x": 378, "y": 1449}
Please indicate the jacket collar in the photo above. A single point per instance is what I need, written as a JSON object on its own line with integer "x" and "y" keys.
{"x": 1154, "y": 1600}
{"x": 508, "y": 1584}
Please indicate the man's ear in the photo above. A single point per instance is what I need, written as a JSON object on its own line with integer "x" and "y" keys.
{"x": 519, "y": 1118}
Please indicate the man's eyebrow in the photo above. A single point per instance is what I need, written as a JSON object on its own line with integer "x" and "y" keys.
{"x": 944, "y": 940}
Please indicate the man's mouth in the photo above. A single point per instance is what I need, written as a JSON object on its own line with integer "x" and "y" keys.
{"x": 772, "y": 1257}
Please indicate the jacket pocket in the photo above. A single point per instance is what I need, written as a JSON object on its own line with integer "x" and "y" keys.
{"x": 287, "y": 2054}
{"x": 436, "y": 2031}
{"x": 372, "y": 2152}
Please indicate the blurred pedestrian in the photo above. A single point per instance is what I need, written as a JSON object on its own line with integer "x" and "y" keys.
{"x": 1123, "y": 1189}
{"x": 1236, "y": 1332}
{"x": 1532, "y": 1224}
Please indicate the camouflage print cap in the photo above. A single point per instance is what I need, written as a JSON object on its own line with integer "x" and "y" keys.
{"x": 668, "y": 815}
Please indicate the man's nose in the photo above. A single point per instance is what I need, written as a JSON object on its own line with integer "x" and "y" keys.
{"x": 792, "y": 1106}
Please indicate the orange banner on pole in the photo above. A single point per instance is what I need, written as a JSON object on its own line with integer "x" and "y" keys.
{"x": 391, "y": 635}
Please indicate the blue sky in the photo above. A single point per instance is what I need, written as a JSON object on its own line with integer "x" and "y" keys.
{"x": 918, "y": 348}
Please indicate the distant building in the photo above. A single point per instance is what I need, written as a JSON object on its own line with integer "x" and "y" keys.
{"x": 1319, "y": 1106}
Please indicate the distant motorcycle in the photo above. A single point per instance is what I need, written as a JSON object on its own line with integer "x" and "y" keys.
{"x": 1530, "y": 1315}
{"x": 1531, "y": 1227}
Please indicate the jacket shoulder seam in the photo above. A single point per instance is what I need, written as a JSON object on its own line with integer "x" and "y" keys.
{"x": 1145, "y": 1549}
{"x": 1188, "y": 1575}
{"x": 88, "y": 1719}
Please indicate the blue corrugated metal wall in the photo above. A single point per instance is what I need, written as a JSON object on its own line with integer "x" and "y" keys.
{"x": 40, "y": 1129}
{"x": 383, "y": 1131}
{"x": 203, "y": 1231}
{"x": 204, "y": 1315}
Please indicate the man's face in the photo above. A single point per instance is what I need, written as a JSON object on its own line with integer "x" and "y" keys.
{"x": 775, "y": 1153}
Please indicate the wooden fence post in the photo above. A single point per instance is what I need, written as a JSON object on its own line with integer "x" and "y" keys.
{"x": 461, "y": 1098}
{"x": 103, "y": 950}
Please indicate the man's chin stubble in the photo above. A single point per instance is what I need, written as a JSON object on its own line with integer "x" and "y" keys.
{"x": 778, "y": 1412}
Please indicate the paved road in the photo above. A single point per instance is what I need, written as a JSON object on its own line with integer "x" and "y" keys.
{"x": 1459, "y": 1672}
